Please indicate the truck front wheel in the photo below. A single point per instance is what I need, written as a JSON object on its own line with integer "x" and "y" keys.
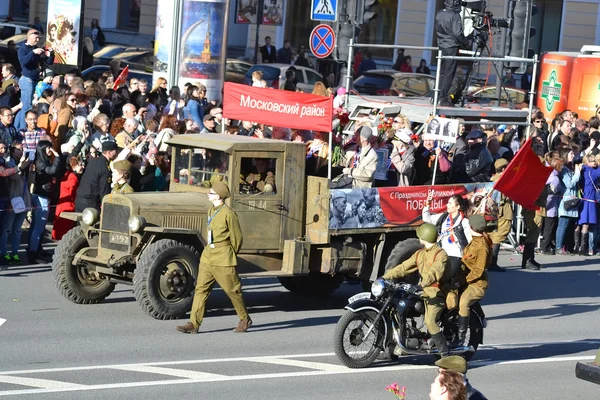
{"x": 75, "y": 282}
{"x": 165, "y": 277}
{"x": 314, "y": 284}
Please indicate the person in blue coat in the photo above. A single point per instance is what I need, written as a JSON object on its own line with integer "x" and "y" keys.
{"x": 567, "y": 217}
{"x": 588, "y": 217}
{"x": 193, "y": 109}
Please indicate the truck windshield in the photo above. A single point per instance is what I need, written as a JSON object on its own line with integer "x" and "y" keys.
{"x": 200, "y": 167}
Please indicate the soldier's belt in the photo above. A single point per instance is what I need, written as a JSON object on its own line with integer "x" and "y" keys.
{"x": 220, "y": 244}
{"x": 436, "y": 285}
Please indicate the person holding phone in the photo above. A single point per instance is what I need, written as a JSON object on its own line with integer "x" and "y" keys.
{"x": 31, "y": 134}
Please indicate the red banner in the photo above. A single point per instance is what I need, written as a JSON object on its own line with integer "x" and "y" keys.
{"x": 122, "y": 78}
{"x": 277, "y": 107}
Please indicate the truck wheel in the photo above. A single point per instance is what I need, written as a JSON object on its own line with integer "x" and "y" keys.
{"x": 314, "y": 284}
{"x": 402, "y": 252}
{"x": 75, "y": 282}
{"x": 165, "y": 277}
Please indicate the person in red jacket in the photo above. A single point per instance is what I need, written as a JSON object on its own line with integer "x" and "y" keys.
{"x": 406, "y": 65}
{"x": 66, "y": 200}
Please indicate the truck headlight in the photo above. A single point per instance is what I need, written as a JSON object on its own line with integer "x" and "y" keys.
{"x": 90, "y": 216}
{"x": 136, "y": 223}
{"x": 377, "y": 287}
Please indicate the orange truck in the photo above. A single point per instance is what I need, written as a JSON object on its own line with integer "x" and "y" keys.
{"x": 570, "y": 81}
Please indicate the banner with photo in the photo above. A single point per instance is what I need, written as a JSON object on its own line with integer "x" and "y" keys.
{"x": 401, "y": 206}
{"x": 164, "y": 56}
{"x": 272, "y": 12}
{"x": 443, "y": 129}
{"x": 62, "y": 30}
{"x": 246, "y": 11}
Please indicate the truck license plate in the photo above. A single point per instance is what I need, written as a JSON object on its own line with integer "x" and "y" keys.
{"x": 360, "y": 296}
{"x": 118, "y": 238}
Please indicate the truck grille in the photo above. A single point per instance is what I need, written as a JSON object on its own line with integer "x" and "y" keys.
{"x": 115, "y": 219}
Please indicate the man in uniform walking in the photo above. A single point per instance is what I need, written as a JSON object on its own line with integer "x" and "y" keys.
{"x": 430, "y": 262}
{"x": 218, "y": 262}
{"x": 505, "y": 217}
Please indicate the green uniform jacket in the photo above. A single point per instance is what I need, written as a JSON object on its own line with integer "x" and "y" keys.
{"x": 124, "y": 188}
{"x": 505, "y": 210}
{"x": 225, "y": 227}
{"x": 475, "y": 259}
{"x": 431, "y": 264}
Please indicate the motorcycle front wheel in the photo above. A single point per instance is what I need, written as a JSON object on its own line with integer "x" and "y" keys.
{"x": 351, "y": 346}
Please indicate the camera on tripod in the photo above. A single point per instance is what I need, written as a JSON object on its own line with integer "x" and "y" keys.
{"x": 482, "y": 19}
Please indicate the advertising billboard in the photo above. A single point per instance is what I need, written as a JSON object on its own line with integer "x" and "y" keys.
{"x": 63, "y": 30}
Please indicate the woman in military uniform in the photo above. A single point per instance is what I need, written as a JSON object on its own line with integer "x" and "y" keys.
{"x": 218, "y": 262}
{"x": 120, "y": 177}
{"x": 476, "y": 257}
{"x": 430, "y": 262}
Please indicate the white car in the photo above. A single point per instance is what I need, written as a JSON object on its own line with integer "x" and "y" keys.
{"x": 274, "y": 74}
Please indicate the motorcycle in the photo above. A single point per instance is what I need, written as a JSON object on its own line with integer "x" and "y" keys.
{"x": 391, "y": 318}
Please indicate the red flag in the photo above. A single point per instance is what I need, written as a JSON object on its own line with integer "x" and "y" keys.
{"x": 524, "y": 178}
{"x": 122, "y": 78}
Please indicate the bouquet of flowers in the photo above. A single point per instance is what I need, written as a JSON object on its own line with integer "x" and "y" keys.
{"x": 384, "y": 126}
{"x": 398, "y": 392}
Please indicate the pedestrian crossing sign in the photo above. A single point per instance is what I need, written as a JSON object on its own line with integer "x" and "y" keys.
{"x": 324, "y": 10}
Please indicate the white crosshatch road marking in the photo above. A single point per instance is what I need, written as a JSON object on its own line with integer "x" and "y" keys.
{"x": 183, "y": 376}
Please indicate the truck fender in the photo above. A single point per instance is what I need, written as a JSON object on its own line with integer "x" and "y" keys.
{"x": 154, "y": 233}
{"x": 370, "y": 305}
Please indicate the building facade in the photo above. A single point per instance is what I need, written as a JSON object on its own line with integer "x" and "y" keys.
{"x": 561, "y": 24}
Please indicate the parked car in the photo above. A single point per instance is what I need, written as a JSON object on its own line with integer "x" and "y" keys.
{"x": 274, "y": 74}
{"x": 235, "y": 70}
{"x": 96, "y": 72}
{"x": 391, "y": 82}
{"x": 18, "y": 39}
{"x": 111, "y": 50}
{"x": 488, "y": 93}
{"x": 140, "y": 59}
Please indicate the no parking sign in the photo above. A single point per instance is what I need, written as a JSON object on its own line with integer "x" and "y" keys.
{"x": 322, "y": 41}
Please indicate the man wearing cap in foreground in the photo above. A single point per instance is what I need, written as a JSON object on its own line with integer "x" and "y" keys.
{"x": 459, "y": 364}
{"x": 120, "y": 177}
{"x": 364, "y": 163}
{"x": 505, "y": 217}
{"x": 218, "y": 262}
{"x": 473, "y": 286}
{"x": 430, "y": 262}
{"x": 209, "y": 124}
{"x": 96, "y": 180}
{"x": 403, "y": 157}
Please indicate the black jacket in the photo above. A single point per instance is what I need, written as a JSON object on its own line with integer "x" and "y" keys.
{"x": 268, "y": 54}
{"x": 449, "y": 28}
{"x": 478, "y": 163}
{"x": 94, "y": 184}
{"x": 45, "y": 172}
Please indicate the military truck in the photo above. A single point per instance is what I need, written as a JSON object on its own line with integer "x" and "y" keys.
{"x": 294, "y": 228}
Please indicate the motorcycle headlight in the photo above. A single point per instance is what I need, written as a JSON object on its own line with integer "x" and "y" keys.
{"x": 377, "y": 287}
{"x": 136, "y": 223}
{"x": 90, "y": 216}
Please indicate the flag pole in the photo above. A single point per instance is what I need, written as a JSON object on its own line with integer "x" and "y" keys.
{"x": 329, "y": 155}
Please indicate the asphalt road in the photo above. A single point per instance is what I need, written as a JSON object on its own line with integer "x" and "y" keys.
{"x": 540, "y": 325}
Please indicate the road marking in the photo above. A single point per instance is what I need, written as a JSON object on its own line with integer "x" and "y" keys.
{"x": 40, "y": 383}
{"x": 181, "y": 373}
{"x": 302, "y": 364}
{"x": 2, "y": 321}
{"x": 324, "y": 369}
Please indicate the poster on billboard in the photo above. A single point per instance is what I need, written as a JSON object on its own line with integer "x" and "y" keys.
{"x": 62, "y": 31}
{"x": 246, "y": 11}
{"x": 272, "y": 12}
{"x": 163, "y": 54}
{"x": 202, "y": 55}
{"x": 443, "y": 129}
{"x": 402, "y": 206}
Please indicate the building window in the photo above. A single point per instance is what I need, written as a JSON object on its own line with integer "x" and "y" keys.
{"x": 129, "y": 15}
{"x": 381, "y": 30}
{"x": 19, "y": 9}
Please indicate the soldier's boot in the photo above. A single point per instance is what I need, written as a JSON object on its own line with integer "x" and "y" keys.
{"x": 187, "y": 328}
{"x": 243, "y": 325}
{"x": 463, "y": 326}
{"x": 526, "y": 262}
{"x": 494, "y": 264}
{"x": 583, "y": 247}
{"x": 576, "y": 242}
{"x": 532, "y": 259}
{"x": 439, "y": 340}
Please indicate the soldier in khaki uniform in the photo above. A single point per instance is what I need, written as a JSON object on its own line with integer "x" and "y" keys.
{"x": 218, "y": 262}
{"x": 430, "y": 262}
{"x": 476, "y": 257}
{"x": 505, "y": 217}
{"x": 120, "y": 176}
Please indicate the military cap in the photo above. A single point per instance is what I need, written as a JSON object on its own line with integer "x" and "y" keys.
{"x": 221, "y": 189}
{"x": 476, "y": 134}
{"x": 477, "y": 222}
{"x": 365, "y": 132}
{"x": 109, "y": 146}
{"x": 338, "y": 194}
{"x": 453, "y": 363}
{"x": 403, "y": 135}
{"x": 121, "y": 165}
{"x": 500, "y": 163}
